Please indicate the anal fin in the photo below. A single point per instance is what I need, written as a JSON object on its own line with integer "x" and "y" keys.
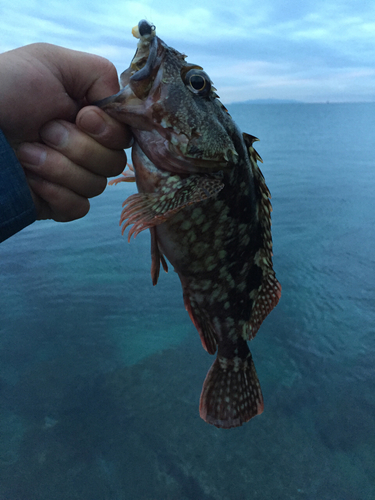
{"x": 202, "y": 323}
{"x": 156, "y": 257}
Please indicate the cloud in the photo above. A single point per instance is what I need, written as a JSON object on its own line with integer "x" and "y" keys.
{"x": 308, "y": 50}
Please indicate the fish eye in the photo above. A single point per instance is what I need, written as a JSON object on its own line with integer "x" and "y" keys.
{"x": 198, "y": 82}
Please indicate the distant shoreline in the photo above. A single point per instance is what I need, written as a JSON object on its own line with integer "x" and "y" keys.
{"x": 291, "y": 101}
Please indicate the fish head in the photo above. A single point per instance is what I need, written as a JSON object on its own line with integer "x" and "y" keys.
{"x": 172, "y": 109}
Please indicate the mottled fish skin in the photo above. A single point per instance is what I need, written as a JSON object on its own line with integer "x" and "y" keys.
{"x": 205, "y": 201}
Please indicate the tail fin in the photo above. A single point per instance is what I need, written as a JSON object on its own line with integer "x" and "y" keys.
{"x": 231, "y": 393}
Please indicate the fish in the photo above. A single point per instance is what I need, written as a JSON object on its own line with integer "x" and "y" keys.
{"x": 205, "y": 201}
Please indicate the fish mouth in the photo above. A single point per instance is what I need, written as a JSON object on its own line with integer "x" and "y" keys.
{"x": 145, "y": 57}
{"x": 145, "y": 62}
{"x": 143, "y": 67}
{"x": 145, "y": 71}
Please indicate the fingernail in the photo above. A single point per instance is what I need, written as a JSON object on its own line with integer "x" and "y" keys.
{"x": 92, "y": 122}
{"x": 54, "y": 134}
{"x": 31, "y": 154}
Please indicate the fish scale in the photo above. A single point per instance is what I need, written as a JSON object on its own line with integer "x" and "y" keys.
{"x": 205, "y": 201}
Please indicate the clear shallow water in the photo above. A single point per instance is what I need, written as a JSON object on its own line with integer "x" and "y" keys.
{"x": 100, "y": 373}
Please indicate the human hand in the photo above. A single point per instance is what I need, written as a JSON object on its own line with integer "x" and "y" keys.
{"x": 43, "y": 90}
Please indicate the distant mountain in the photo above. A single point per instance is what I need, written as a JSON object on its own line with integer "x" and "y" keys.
{"x": 271, "y": 101}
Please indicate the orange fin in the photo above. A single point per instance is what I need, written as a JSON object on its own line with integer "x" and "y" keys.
{"x": 231, "y": 393}
{"x": 139, "y": 211}
{"x": 156, "y": 258}
{"x": 127, "y": 176}
{"x": 145, "y": 210}
{"x": 202, "y": 323}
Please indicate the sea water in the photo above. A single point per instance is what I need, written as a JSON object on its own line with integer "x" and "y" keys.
{"x": 100, "y": 372}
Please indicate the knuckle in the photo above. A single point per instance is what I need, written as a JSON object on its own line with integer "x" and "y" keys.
{"x": 118, "y": 164}
{"x": 70, "y": 207}
{"x": 59, "y": 202}
{"x": 98, "y": 187}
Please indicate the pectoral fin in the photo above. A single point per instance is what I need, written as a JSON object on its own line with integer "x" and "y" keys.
{"x": 127, "y": 176}
{"x": 146, "y": 210}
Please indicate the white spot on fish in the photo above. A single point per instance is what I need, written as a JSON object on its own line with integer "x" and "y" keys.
{"x": 186, "y": 225}
{"x": 196, "y": 213}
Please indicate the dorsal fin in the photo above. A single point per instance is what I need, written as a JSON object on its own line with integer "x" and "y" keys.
{"x": 249, "y": 141}
{"x": 269, "y": 292}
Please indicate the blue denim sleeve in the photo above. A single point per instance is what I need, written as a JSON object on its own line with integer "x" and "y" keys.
{"x": 17, "y": 209}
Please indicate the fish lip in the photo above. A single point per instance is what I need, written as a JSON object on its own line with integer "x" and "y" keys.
{"x": 138, "y": 76}
{"x": 109, "y": 100}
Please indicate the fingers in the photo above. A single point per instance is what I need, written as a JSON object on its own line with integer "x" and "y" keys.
{"x": 56, "y": 168}
{"x": 72, "y": 162}
{"x": 53, "y": 201}
{"x": 83, "y": 75}
{"x": 104, "y": 129}
{"x": 82, "y": 149}
{"x": 70, "y": 166}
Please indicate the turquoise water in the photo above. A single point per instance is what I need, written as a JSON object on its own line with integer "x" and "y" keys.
{"x": 100, "y": 372}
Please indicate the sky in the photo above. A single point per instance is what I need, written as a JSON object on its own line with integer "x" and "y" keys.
{"x": 305, "y": 50}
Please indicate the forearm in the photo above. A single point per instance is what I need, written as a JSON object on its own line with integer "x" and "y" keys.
{"x": 17, "y": 209}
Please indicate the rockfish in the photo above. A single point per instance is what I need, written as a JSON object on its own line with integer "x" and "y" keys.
{"x": 206, "y": 203}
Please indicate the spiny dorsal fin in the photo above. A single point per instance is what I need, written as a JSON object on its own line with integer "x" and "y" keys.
{"x": 268, "y": 294}
{"x": 249, "y": 141}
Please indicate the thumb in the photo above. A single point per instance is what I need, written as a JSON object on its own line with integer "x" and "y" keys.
{"x": 84, "y": 76}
